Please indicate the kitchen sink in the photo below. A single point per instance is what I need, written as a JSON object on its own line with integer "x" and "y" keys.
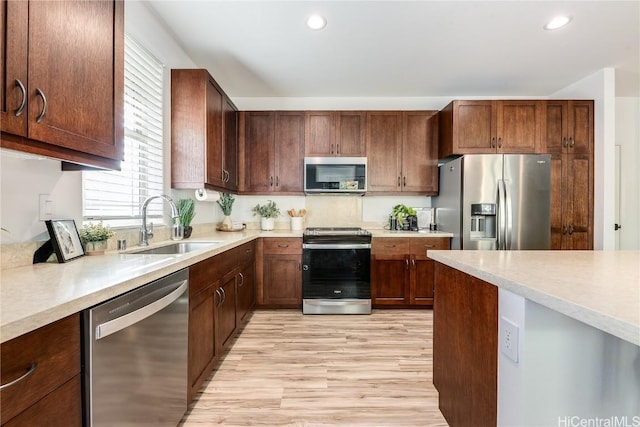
{"x": 176, "y": 248}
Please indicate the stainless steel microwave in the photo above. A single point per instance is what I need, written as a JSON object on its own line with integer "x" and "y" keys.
{"x": 340, "y": 175}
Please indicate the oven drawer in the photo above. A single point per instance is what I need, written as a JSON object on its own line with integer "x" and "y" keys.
{"x": 282, "y": 245}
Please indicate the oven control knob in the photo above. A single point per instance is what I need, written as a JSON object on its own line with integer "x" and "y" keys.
{"x": 305, "y": 267}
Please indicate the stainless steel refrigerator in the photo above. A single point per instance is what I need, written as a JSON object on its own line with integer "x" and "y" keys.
{"x": 496, "y": 201}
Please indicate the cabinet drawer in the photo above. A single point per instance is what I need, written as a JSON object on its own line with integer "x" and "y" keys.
{"x": 246, "y": 253}
{"x": 390, "y": 246}
{"x": 419, "y": 247}
{"x": 291, "y": 246}
{"x": 202, "y": 275}
{"x": 61, "y": 408}
{"x": 51, "y": 352}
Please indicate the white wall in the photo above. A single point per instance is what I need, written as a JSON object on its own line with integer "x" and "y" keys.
{"x": 567, "y": 372}
{"x": 600, "y": 87}
{"x": 628, "y": 138}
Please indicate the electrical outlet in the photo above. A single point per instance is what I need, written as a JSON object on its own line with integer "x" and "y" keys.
{"x": 46, "y": 207}
{"x": 509, "y": 338}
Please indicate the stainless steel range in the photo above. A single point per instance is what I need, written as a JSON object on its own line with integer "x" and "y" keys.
{"x": 336, "y": 271}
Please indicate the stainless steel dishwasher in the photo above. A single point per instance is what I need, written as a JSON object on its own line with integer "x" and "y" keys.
{"x": 135, "y": 356}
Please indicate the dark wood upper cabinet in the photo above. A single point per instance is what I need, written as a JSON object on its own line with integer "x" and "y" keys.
{"x": 204, "y": 148}
{"x": 485, "y": 127}
{"x": 384, "y": 151}
{"x": 335, "y": 133}
{"x": 273, "y": 151}
{"x": 568, "y": 127}
{"x": 69, "y": 81}
{"x": 402, "y": 152}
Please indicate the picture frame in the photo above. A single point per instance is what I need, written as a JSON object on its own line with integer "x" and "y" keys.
{"x": 65, "y": 239}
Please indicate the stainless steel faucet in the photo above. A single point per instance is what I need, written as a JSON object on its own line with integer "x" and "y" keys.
{"x": 147, "y": 233}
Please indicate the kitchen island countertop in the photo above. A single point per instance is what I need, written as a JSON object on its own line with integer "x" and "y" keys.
{"x": 599, "y": 288}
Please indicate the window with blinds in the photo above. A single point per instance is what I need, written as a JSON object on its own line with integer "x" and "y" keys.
{"x": 116, "y": 197}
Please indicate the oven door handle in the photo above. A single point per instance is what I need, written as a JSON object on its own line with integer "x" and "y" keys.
{"x": 336, "y": 246}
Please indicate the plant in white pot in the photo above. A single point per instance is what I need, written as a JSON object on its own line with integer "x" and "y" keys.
{"x": 268, "y": 214}
{"x": 94, "y": 238}
{"x": 226, "y": 203}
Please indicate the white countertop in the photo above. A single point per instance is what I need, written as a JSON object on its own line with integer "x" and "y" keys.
{"x": 399, "y": 233}
{"x": 36, "y": 295}
{"x": 599, "y": 288}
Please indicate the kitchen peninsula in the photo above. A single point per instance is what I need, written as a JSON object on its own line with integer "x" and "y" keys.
{"x": 560, "y": 336}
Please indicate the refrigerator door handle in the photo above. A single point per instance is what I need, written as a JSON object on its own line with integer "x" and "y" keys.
{"x": 502, "y": 216}
{"x": 508, "y": 216}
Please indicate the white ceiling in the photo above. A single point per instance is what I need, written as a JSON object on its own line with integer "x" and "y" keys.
{"x": 406, "y": 48}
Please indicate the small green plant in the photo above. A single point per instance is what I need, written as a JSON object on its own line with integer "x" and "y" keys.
{"x": 401, "y": 212}
{"x": 226, "y": 203}
{"x": 186, "y": 210}
{"x": 270, "y": 210}
{"x": 95, "y": 232}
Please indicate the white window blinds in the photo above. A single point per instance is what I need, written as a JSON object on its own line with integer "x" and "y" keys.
{"x": 116, "y": 197}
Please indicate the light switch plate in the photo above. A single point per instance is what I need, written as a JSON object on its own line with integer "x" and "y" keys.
{"x": 47, "y": 207}
{"x": 509, "y": 338}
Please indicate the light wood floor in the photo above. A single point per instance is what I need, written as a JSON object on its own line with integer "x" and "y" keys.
{"x": 327, "y": 370}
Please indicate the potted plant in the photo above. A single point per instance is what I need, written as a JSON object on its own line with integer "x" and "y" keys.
{"x": 226, "y": 204}
{"x": 268, "y": 214}
{"x": 401, "y": 213}
{"x": 186, "y": 210}
{"x": 94, "y": 238}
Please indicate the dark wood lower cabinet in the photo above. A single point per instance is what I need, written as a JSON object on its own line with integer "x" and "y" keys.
{"x": 280, "y": 273}
{"x": 465, "y": 348}
{"x": 401, "y": 272}
{"x": 221, "y": 297}
{"x": 225, "y": 312}
{"x": 50, "y": 395}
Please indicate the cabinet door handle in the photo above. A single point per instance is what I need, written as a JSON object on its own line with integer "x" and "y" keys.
{"x": 398, "y": 181}
{"x": 570, "y": 229}
{"x": 406, "y": 260}
{"x": 271, "y": 182}
{"x": 31, "y": 370}
{"x": 572, "y": 142}
{"x": 40, "y": 116}
{"x": 404, "y": 181}
{"x": 331, "y": 149}
{"x": 219, "y": 297}
{"x": 564, "y": 229}
{"x": 20, "y": 109}
{"x": 337, "y": 148}
{"x": 499, "y": 142}
{"x": 413, "y": 263}
{"x": 493, "y": 142}
{"x": 277, "y": 181}
{"x": 224, "y": 295}
{"x": 225, "y": 175}
{"x": 241, "y": 279}
{"x": 564, "y": 142}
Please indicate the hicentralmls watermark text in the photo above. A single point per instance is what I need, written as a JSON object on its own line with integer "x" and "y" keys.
{"x": 614, "y": 421}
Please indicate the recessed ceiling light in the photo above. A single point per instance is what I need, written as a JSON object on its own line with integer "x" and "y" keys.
{"x": 316, "y": 22}
{"x": 557, "y": 22}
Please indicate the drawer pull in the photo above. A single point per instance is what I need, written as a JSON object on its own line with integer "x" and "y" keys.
{"x": 389, "y": 246}
{"x": 280, "y": 245}
{"x": 429, "y": 246}
{"x": 30, "y": 371}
